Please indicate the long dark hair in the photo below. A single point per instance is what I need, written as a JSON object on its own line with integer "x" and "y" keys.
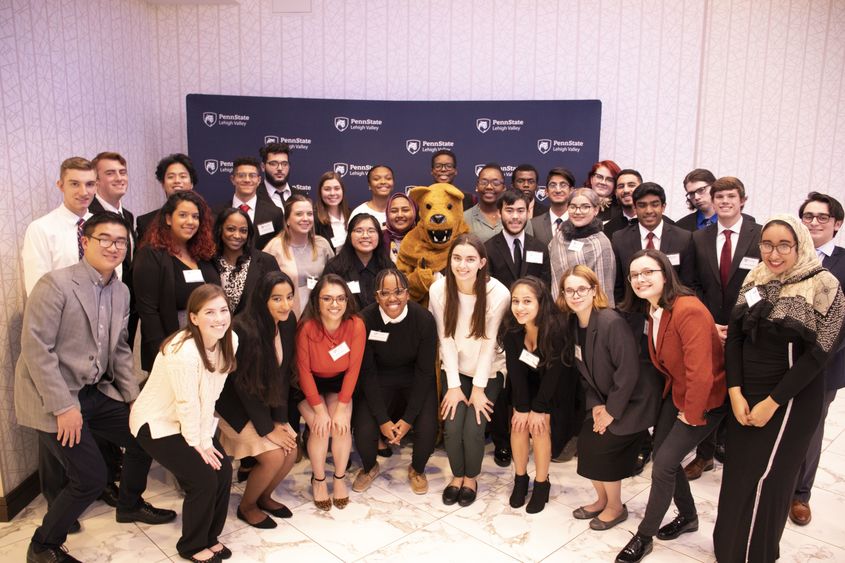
{"x": 258, "y": 366}
{"x": 345, "y": 257}
{"x": 672, "y": 287}
{"x": 321, "y": 211}
{"x": 550, "y": 336}
{"x": 160, "y": 236}
{"x": 478, "y": 323}
{"x": 218, "y": 237}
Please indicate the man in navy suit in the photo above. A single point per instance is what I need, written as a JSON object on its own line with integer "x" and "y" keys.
{"x": 559, "y": 183}
{"x": 267, "y": 218}
{"x": 823, "y": 215}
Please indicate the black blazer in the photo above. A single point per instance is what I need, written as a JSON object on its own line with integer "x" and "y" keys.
{"x": 835, "y": 371}
{"x": 237, "y": 407}
{"x": 265, "y": 212}
{"x": 143, "y": 222}
{"x": 542, "y": 227}
{"x": 324, "y": 231}
{"x": 501, "y": 266}
{"x": 690, "y": 222}
{"x": 97, "y": 207}
{"x": 154, "y": 281}
{"x": 539, "y": 209}
{"x": 675, "y": 240}
{"x": 260, "y": 264}
{"x": 552, "y": 377}
{"x": 609, "y": 367}
{"x": 708, "y": 283}
{"x": 264, "y": 196}
{"x": 618, "y": 223}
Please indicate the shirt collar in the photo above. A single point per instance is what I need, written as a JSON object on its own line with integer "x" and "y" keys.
{"x": 658, "y": 231}
{"x": 251, "y": 202}
{"x": 509, "y": 238}
{"x": 554, "y": 216}
{"x": 387, "y": 320}
{"x": 827, "y": 248}
{"x": 701, "y": 221}
{"x": 95, "y": 276}
{"x": 109, "y": 207}
{"x": 70, "y": 216}
{"x": 734, "y": 229}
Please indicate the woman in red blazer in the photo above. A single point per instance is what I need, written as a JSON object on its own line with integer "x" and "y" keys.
{"x": 684, "y": 347}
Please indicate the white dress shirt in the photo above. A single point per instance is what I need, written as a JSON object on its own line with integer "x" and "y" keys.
{"x": 250, "y": 202}
{"x": 50, "y": 243}
{"x": 278, "y": 199}
{"x": 509, "y": 238}
{"x": 658, "y": 235}
{"x": 720, "y": 238}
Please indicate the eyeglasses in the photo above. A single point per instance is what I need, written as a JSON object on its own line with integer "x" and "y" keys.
{"x": 601, "y": 178}
{"x": 398, "y": 292}
{"x": 558, "y": 185}
{"x": 120, "y": 243}
{"x": 494, "y": 183}
{"x": 444, "y": 166}
{"x": 246, "y": 175}
{"x": 278, "y": 164}
{"x": 328, "y": 299}
{"x": 644, "y": 275}
{"x": 782, "y": 248}
{"x": 822, "y": 218}
{"x": 580, "y": 208}
{"x": 697, "y": 193}
{"x": 361, "y": 232}
{"x": 529, "y": 181}
{"x": 579, "y": 291}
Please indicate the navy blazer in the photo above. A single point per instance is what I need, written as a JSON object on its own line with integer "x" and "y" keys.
{"x": 501, "y": 266}
{"x": 835, "y": 371}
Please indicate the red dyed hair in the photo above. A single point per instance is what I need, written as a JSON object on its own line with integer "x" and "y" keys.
{"x": 610, "y": 165}
{"x": 160, "y": 236}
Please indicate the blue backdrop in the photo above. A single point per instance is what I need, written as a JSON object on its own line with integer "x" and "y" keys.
{"x": 350, "y": 136}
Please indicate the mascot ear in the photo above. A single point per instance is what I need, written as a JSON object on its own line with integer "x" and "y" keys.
{"x": 417, "y": 194}
{"x": 450, "y": 190}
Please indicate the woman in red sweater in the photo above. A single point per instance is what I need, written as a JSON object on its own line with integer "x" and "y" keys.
{"x": 329, "y": 348}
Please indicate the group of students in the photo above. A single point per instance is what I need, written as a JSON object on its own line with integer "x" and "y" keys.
{"x": 241, "y": 343}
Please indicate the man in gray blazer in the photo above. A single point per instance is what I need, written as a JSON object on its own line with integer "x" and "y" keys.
{"x": 74, "y": 379}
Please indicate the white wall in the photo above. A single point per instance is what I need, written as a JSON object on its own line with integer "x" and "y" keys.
{"x": 752, "y": 89}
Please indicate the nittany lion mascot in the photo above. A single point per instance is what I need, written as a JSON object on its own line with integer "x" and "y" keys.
{"x": 425, "y": 248}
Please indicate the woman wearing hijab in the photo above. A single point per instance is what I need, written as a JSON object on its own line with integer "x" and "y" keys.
{"x": 401, "y": 218}
{"x": 786, "y": 322}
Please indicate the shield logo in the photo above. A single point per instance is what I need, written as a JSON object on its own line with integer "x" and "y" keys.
{"x": 541, "y": 193}
{"x": 544, "y": 145}
{"x": 341, "y": 123}
{"x": 271, "y": 139}
{"x": 408, "y": 189}
{"x": 341, "y": 168}
{"x": 209, "y": 118}
{"x": 211, "y": 165}
{"x": 413, "y": 145}
{"x": 482, "y": 124}
{"x": 478, "y": 169}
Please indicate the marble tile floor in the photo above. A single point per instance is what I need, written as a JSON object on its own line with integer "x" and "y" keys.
{"x": 390, "y": 523}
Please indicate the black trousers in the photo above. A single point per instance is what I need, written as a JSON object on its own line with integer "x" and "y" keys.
{"x": 672, "y": 442}
{"x": 85, "y": 468}
{"x": 206, "y": 490}
{"x": 366, "y": 427}
{"x": 500, "y": 421}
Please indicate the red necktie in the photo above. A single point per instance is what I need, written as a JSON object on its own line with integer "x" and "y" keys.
{"x": 650, "y": 243}
{"x": 725, "y": 259}
{"x": 244, "y": 207}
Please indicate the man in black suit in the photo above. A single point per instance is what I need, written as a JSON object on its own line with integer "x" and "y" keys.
{"x": 512, "y": 254}
{"x": 626, "y": 182}
{"x": 275, "y": 164}
{"x": 697, "y": 186}
{"x": 559, "y": 184}
{"x": 724, "y": 254}
{"x": 267, "y": 218}
{"x": 823, "y": 215}
{"x": 175, "y": 172}
{"x": 524, "y": 178}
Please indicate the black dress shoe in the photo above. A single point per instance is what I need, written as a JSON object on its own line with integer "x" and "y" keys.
{"x": 637, "y": 548}
{"x": 642, "y": 458}
{"x": 680, "y": 525}
{"x": 450, "y": 495}
{"x": 502, "y": 457}
{"x": 49, "y": 555}
{"x": 146, "y": 513}
{"x": 266, "y": 524}
{"x": 110, "y": 495}
{"x": 719, "y": 453}
{"x": 466, "y": 496}
{"x": 75, "y": 528}
{"x": 281, "y": 512}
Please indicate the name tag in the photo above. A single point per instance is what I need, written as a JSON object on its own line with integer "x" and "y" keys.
{"x": 752, "y": 296}
{"x": 337, "y": 242}
{"x": 265, "y": 228}
{"x": 311, "y": 282}
{"x": 748, "y": 262}
{"x": 645, "y": 329}
{"x": 534, "y": 257}
{"x": 576, "y": 245}
{"x": 528, "y": 358}
{"x": 378, "y": 336}
{"x": 339, "y": 351}
{"x": 354, "y": 287}
{"x": 193, "y": 276}
{"x": 578, "y": 353}
{"x": 674, "y": 259}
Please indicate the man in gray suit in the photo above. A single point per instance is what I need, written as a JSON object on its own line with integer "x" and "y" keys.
{"x": 74, "y": 380}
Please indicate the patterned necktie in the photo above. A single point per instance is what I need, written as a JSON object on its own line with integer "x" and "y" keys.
{"x": 517, "y": 255}
{"x": 725, "y": 259}
{"x": 650, "y": 243}
{"x": 79, "y": 235}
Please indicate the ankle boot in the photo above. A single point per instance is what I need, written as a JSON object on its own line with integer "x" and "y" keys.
{"x": 520, "y": 490}
{"x": 539, "y": 496}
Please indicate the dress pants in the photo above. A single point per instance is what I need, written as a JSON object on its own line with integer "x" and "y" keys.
{"x": 500, "y": 423}
{"x": 206, "y": 490}
{"x": 85, "y": 468}
{"x": 807, "y": 474}
{"x": 462, "y": 436}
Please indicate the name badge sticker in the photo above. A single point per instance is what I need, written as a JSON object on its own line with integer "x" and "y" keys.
{"x": 193, "y": 276}
{"x": 752, "y": 296}
{"x": 354, "y": 286}
{"x": 578, "y": 353}
{"x": 339, "y": 351}
{"x": 311, "y": 282}
{"x": 528, "y": 358}
{"x": 575, "y": 245}
{"x": 265, "y": 228}
{"x": 378, "y": 336}
{"x": 534, "y": 257}
{"x": 337, "y": 242}
{"x": 748, "y": 262}
{"x": 674, "y": 259}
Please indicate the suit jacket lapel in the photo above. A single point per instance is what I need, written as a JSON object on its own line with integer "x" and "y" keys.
{"x": 712, "y": 258}
{"x": 661, "y": 331}
{"x": 742, "y": 244}
{"x": 85, "y": 294}
{"x": 505, "y": 249}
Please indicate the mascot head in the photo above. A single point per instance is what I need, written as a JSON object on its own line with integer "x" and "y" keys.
{"x": 441, "y": 212}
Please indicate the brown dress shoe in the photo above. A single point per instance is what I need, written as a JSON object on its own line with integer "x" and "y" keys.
{"x": 800, "y": 512}
{"x": 696, "y": 467}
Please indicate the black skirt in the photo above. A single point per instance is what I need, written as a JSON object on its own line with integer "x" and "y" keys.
{"x": 607, "y": 457}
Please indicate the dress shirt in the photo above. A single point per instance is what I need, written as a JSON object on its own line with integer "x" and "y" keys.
{"x": 102, "y": 315}
{"x": 50, "y": 243}
{"x": 278, "y": 198}
{"x": 554, "y": 217}
{"x": 658, "y": 235}
{"x": 509, "y": 238}
{"x": 656, "y": 315}
{"x": 387, "y": 320}
{"x": 720, "y": 237}
{"x": 250, "y": 202}
{"x": 826, "y": 249}
{"x": 701, "y": 221}
{"x": 109, "y": 207}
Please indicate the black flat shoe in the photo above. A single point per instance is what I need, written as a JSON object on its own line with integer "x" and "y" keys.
{"x": 213, "y": 559}
{"x": 281, "y": 512}
{"x": 502, "y": 457}
{"x": 75, "y": 528}
{"x": 266, "y": 524}
{"x": 466, "y": 496}
{"x": 385, "y": 452}
{"x": 680, "y": 525}
{"x": 637, "y": 548}
{"x": 224, "y": 553}
{"x": 520, "y": 491}
{"x": 450, "y": 495}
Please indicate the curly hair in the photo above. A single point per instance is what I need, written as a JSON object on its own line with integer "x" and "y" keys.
{"x": 160, "y": 234}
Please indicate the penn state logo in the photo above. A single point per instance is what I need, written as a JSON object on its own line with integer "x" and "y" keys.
{"x": 478, "y": 169}
{"x": 211, "y": 165}
{"x": 413, "y": 146}
{"x": 271, "y": 139}
{"x": 544, "y": 145}
{"x": 541, "y": 193}
{"x": 341, "y": 168}
{"x": 209, "y": 118}
{"x": 482, "y": 124}
{"x": 408, "y": 189}
{"x": 341, "y": 123}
